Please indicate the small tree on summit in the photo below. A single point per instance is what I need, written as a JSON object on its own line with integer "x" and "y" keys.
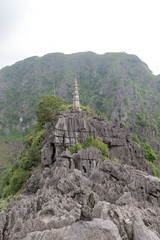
{"x": 48, "y": 108}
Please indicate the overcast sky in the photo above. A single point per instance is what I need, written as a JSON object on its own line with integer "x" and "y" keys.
{"x": 38, "y": 27}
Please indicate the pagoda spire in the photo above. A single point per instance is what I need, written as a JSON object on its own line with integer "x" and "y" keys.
{"x": 76, "y": 105}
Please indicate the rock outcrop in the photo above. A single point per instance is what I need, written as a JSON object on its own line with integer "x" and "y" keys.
{"x": 116, "y": 202}
{"x": 80, "y": 197}
{"x": 72, "y": 127}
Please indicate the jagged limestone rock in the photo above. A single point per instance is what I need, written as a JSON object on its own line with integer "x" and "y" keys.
{"x": 108, "y": 200}
{"x": 67, "y": 196}
{"x": 140, "y": 231}
{"x": 97, "y": 229}
{"x": 87, "y": 160}
{"x": 72, "y": 127}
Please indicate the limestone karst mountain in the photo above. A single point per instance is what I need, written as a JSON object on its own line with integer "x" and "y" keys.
{"x": 117, "y": 84}
{"x": 79, "y": 196}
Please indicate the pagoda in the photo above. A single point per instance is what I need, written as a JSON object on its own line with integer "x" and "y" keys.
{"x": 76, "y": 105}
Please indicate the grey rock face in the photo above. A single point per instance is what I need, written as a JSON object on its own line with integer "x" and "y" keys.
{"x": 2, "y": 224}
{"x": 87, "y": 160}
{"x": 140, "y": 231}
{"x": 73, "y": 127}
{"x": 116, "y": 205}
{"x": 97, "y": 229}
{"x": 80, "y": 197}
{"x": 120, "y": 143}
{"x": 70, "y": 128}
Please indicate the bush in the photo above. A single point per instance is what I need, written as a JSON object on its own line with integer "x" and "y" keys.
{"x": 91, "y": 142}
{"x": 30, "y": 156}
{"x": 48, "y": 108}
{"x": 28, "y": 159}
{"x": 75, "y": 148}
{"x": 63, "y": 108}
{"x": 87, "y": 108}
{"x": 84, "y": 108}
{"x": 136, "y": 140}
{"x": 16, "y": 182}
{"x": 142, "y": 119}
{"x": 156, "y": 169}
{"x": 150, "y": 154}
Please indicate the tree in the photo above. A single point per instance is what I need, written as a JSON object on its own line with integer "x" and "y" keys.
{"x": 48, "y": 108}
{"x": 150, "y": 154}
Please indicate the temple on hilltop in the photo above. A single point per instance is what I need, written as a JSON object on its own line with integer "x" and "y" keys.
{"x": 76, "y": 105}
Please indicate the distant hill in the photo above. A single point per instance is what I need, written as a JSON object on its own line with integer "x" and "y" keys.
{"x": 117, "y": 84}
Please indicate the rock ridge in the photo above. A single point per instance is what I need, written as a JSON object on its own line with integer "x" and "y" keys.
{"x": 79, "y": 196}
{"x": 113, "y": 200}
{"x": 72, "y": 127}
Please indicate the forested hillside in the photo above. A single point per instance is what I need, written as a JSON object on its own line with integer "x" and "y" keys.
{"x": 117, "y": 84}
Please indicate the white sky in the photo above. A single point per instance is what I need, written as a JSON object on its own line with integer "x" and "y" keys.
{"x": 38, "y": 27}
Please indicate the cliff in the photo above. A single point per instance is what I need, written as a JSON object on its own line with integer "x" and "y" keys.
{"x": 79, "y": 196}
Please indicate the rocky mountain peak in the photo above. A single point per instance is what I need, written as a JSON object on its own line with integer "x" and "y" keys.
{"x": 74, "y": 126}
{"x": 79, "y": 196}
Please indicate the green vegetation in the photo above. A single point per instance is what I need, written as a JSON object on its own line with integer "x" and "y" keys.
{"x": 124, "y": 124}
{"x": 76, "y": 148}
{"x": 5, "y": 203}
{"x": 99, "y": 113}
{"x": 14, "y": 136}
{"x": 156, "y": 169}
{"x": 142, "y": 119}
{"x": 114, "y": 82}
{"x": 30, "y": 158}
{"x": 115, "y": 159}
{"x": 152, "y": 158}
{"x": 136, "y": 139}
{"x": 125, "y": 100}
{"x": 91, "y": 142}
{"x": 87, "y": 108}
{"x": 150, "y": 154}
{"x": 8, "y": 153}
{"x": 48, "y": 108}
{"x": 84, "y": 108}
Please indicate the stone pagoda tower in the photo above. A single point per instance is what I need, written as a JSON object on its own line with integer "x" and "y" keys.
{"x": 76, "y": 105}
